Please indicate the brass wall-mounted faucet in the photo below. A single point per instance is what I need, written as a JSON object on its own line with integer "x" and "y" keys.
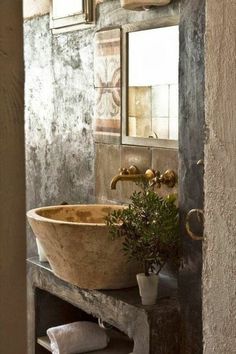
{"x": 133, "y": 174}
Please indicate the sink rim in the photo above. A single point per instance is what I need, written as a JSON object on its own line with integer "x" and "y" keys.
{"x": 33, "y": 214}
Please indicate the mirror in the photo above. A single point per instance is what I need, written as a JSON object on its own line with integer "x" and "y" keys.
{"x": 150, "y": 86}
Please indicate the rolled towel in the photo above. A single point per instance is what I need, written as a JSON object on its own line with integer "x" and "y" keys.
{"x": 77, "y": 337}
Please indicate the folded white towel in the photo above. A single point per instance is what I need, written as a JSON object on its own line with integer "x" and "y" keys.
{"x": 77, "y": 337}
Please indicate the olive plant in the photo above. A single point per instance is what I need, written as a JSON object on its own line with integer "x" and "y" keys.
{"x": 149, "y": 226}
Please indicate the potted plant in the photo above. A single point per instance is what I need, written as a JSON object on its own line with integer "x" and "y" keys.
{"x": 149, "y": 227}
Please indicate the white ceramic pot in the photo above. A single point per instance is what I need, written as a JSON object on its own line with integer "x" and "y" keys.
{"x": 148, "y": 288}
{"x": 140, "y": 4}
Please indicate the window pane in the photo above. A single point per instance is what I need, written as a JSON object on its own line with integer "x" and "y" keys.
{"x": 62, "y": 8}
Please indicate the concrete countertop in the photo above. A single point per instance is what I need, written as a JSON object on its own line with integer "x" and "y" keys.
{"x": 148, "y": 326}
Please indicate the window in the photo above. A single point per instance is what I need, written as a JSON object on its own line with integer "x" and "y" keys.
{"x": 71, "y": 14}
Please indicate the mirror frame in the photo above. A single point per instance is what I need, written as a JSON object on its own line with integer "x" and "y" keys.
{"x": 126, "y": 29}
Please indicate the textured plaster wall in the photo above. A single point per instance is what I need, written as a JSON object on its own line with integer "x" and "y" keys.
{"x": 58, "y": 116}
{"x": 219, "y": 268}
{"x": 32, "y": 8}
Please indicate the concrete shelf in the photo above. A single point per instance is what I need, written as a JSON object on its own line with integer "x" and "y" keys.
{"x": 44, "y": 342}
{"x": 52, "y": 301}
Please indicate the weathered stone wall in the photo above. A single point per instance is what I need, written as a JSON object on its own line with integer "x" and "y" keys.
{"x": 219, "y": 266}
{"x": 59, "y": 103}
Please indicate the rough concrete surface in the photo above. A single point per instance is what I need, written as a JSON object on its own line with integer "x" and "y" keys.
{"x": 154, "y": 329}
{"x": 191, "y": 149}
{"x": 58, "y": 116}
{"x": 219, "y": 266}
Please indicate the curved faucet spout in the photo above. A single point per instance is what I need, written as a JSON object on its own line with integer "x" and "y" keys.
{"x": 120, "y": 177}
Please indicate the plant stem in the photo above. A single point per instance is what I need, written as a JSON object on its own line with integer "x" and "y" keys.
{"x": 160, "y": 267}
{"x": 146, "y": 268}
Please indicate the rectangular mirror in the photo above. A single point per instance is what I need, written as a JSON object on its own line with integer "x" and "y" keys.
{"x": 150, "y": 84}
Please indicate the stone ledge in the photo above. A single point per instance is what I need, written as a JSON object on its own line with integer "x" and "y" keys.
{"x": 154, "y": 329}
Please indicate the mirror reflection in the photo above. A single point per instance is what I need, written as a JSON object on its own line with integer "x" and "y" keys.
{"x": 153, "y": 61}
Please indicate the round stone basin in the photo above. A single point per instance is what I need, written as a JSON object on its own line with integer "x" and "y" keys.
{"x": 78, "y": 247}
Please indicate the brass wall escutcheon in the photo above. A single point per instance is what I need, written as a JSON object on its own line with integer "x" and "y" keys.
{"x": 200, "y": 217}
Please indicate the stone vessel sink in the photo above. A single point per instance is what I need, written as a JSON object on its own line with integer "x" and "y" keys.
{"x": 77, "y": 245}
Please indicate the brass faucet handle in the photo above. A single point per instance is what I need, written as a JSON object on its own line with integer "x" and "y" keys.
{"x": 123, "y": 171}
{"x": 169, "y": 178}
{"x": 153, "y": 177}
{"x": 133, "y": 170}
{"x": 150, "y": 174}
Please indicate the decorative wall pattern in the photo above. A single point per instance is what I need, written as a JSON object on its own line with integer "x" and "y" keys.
{"x": 107, "y": 62}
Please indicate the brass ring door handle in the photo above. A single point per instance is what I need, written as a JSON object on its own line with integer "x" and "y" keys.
{"x": 191, "y": 234}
